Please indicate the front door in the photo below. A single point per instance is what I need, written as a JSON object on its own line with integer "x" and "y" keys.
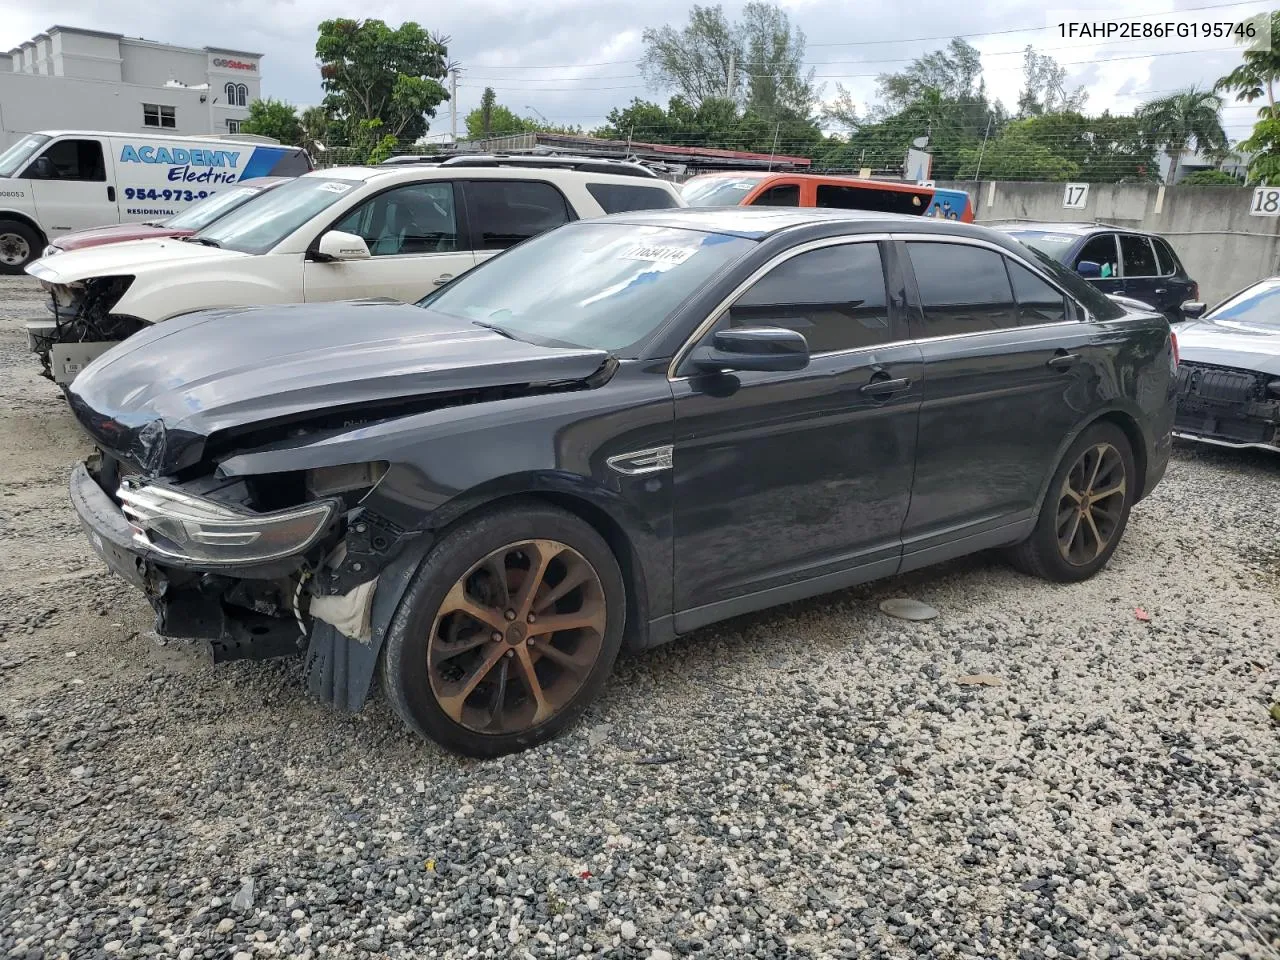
{"x": 1008, "y": 372}
{"x": 784, "y": 480}
{"x": 1103, "y": 250}
{"x": 72, "y": 186}
{"x": 414, "y": 246}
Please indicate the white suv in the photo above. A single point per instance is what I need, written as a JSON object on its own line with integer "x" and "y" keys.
{"x": 395, "y": 231}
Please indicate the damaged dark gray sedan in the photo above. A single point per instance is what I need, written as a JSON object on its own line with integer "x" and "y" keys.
{"x": 607, "y": 436}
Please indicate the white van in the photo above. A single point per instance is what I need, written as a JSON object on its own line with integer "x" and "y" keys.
{"x": 57, "y": 181}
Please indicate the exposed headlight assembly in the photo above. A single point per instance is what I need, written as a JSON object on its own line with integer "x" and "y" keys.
{"x": 196, "y": 529}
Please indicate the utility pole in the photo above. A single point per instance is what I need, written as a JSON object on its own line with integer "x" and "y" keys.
{"x": 453, "y": 105}
{"x": 774, "y": 151}
{"x": 982, "y": 152}
{"x": 728, "y": 87}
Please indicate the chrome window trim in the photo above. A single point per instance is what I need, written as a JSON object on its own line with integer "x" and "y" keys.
{"x": 714, "y": 316}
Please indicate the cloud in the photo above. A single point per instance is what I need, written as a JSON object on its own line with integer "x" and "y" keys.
{"x": 574, "y": 60}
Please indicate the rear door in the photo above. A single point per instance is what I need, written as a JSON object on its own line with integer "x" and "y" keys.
{"x": 73, "y": 186}
{"x": 502, "y": 213}
{"x": 1007, "y": 375}
{"x": 1180, "y": 287}
{"x": 1141, "y": 274}
{"x": 413, "y": 232}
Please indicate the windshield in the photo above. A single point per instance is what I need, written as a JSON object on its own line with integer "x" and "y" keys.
{"x": 1055, "y": 245}
{"x": 717, "y": 191}
{"x": 257, "y": 227}
{"x": 16, "y": 157}
{"x": 1257, "y": 308}
{"x": 603, "y": 285}
{"x": 200, "y": 215}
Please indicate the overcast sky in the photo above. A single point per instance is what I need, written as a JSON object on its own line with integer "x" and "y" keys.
{"x": 573, "y": 60}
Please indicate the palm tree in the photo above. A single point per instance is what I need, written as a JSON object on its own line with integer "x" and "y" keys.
{"x": 1191, "y": 116}
{"x": 1257, "y": 76}
{"x": 315, "y": 129}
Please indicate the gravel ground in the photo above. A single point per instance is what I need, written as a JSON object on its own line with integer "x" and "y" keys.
{"x": 810, "y": 782}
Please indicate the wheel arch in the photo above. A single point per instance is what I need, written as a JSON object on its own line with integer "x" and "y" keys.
{"x": 1128, "y": 425}
{"x": 26, "y": 220}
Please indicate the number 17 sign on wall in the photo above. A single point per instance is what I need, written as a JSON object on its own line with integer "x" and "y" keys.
{"x": 1075, "y": 196}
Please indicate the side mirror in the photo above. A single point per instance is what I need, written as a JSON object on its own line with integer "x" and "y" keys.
{"x": 1193, "y": 310}
{"x": 1088, "y": 269}
{"x": 336, "y": 245}
{"x": 42, "y": 168}
{"x": 753, "y": 348}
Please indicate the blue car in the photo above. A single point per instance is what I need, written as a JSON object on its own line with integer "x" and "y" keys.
{"x": 1127, "y": 263}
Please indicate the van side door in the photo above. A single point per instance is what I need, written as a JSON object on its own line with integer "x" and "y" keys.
{"x": 73, "y": 185}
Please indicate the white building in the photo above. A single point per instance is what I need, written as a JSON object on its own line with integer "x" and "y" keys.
{"x": 67, "y": 78}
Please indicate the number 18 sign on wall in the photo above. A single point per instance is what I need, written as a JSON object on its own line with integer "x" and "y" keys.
{"x": 1266, "y": 202}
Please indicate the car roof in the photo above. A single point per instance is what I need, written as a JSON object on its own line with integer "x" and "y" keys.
{"x": 1071, "y": 227}
{"x": 263, "y": 183}
{"x": 756, "y": 223}
{"x": 413, "y": 172}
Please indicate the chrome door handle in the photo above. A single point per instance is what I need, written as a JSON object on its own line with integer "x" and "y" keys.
{"x": 1063, "y": 361}
{"x": 441, "y": 280}
{"x": 1159, "y": 290}
{"x": 884, "y": 387}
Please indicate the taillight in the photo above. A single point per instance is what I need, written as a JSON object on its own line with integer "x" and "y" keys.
{"x": 1173, "y": 342}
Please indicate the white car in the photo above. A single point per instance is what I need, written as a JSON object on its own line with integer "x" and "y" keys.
{"x": 396, "y": 231}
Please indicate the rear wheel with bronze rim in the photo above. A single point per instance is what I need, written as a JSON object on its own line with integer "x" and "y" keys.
{"x": 508, "y": 630}
{"x": 1085, "y": 509}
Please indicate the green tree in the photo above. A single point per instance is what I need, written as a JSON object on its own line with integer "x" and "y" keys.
{"x": 1044, "y": 87}
{"x": 1190, "y": 118}
{"x": 756, "y": 63}
{"x": 372, "y": 72}
{"x": 955, "y": 73}
{"x": 315, "y": 123}
{"x": 1264, "y": 145}
{"x": 501, "y": 122}
{"x": 1257, "y": 75}
{"x": 1209, "y": 178}
{"x": 274, "y": 118}
{"x": 1015, "y": 155}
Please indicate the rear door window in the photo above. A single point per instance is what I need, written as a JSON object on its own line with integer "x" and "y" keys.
{"x": 621, "y": 197}
{"x": 963, "y": 289}
{"x": 783, "y": 195}
{"x": 1038, "y": 302}
{"x": 1166, "y": 260}
{"x": 1102, "y": 251}
{"x": 505, "y": 212}
{"x": 1139, "y": 259}
{"x": 835, "y": 296}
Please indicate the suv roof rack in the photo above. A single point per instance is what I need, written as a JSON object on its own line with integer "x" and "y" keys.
{"x": 625, "y": 168}
{"x": 412, "y": 158}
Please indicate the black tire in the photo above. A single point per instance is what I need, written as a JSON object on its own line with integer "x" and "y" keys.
{"x": 19, "y": 245}
{"x": 409, "y": 681}
{"x": 1043, "y": 554}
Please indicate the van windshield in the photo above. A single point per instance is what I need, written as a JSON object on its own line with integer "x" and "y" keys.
{"x": 257, "y": 227}
{"x": 16, "y": 157}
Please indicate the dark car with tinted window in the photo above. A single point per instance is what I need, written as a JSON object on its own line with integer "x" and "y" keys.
{"x": 609, "y": 435}
{"x": 1126, "y": 263}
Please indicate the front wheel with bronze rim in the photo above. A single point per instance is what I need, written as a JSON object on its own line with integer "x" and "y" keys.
{"x": 508, "y": 630}
{"x": 1085, "y": 509}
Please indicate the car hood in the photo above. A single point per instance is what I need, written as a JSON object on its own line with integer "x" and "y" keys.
{"x": 119, "y": 233}
{"x": 124, "y": 259}
{"x": 158, "y": 396}
{"x": 1204, "y": 341}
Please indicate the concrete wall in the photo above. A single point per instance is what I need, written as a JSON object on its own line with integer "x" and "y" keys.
{"x": 1220, "y": 244}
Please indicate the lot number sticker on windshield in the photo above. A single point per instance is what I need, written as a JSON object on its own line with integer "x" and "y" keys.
{"x": 658, "y": 254}
{"x": 333, "y": 187}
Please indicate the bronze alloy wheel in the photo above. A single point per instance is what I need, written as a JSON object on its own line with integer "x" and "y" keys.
{"x": 1091, "y": 504}
{"x": 516, "y": 637}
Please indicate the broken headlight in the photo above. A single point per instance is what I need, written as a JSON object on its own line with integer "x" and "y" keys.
{"x": 198, "y": 529}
